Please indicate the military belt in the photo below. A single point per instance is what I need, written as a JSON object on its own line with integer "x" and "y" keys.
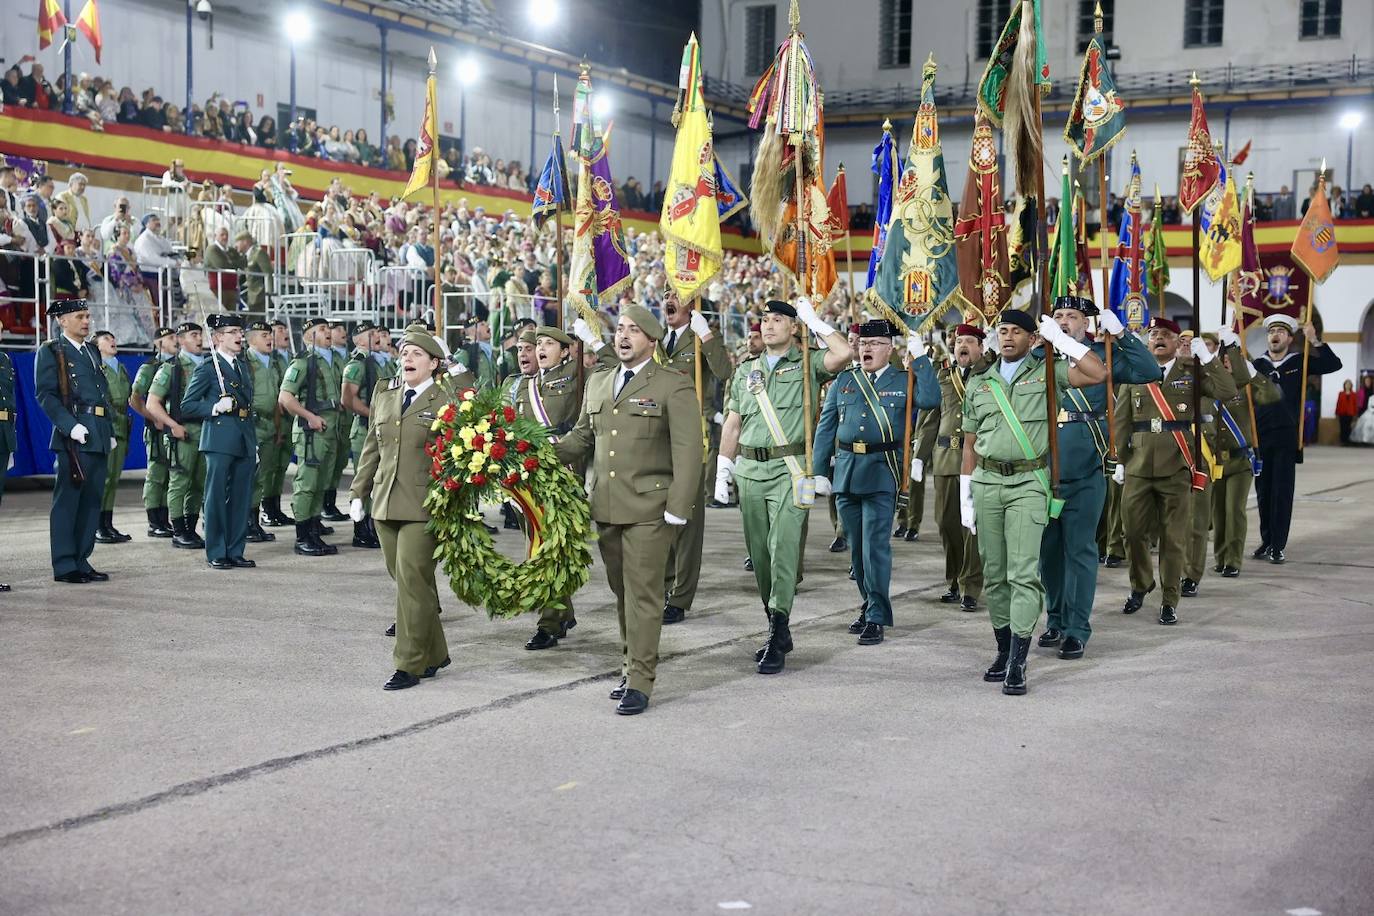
{"x": 1008, "y": 468}
{"x": 4, "y": 415}
{"x": 1161, "y": 426}
{"x": 1076, "y": 416}
{"x": 91, "y": 409}
{"x": 242, "y": 413}
{"x": 768, "y": 453}
{"x": 950, "y": 442}
{"x": 869, "y": 448}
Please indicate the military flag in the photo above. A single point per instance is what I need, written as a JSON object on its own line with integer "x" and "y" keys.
{"x": 1021, "y": 258}
{"x": 600, "y": 266}
{"x": 837, "y": 201}
{"x": 690, "y": 221}
{"x": 980, "y": 233}
{"x": 1219, "y": 224}
{"x": 918, "y": 279}
{"x": 50, "y": 22}
{"x": 551, "y": 191}
{"x": 1201, "y": 168}
{"x": 88, "y": 23}
{"x": 1315, "y": 248}
{"x": 729, "y": 199}
{"x": 1248, "y": 285}
{"x": 886, "y": 168}
{"x": 1128, "y": 295}
{"x": 1017, "y": 69}
{"x": 1156, "y": 257}
{"x": 1064, "y": 252}
{"x": 1080, "y": 238}
{"x": 1097, "y": 118}
{"x": 426, "y": 150}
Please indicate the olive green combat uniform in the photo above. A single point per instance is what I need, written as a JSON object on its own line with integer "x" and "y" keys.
{"x": 272, "y": 426}
{"x": 120, "y": 386}
{"x": 940, "y": 446}
{"x": 186, "y": 471}
{"x": 342, "y": 433}
{"x": 311, "y": 379}
{"x": 154, "y": 442}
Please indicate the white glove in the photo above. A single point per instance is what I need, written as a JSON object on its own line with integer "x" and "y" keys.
{"x": 1228, "y": 337}
{"x": 1110, "y": 323}
{"x": 1054, "y": 336}
{"x": 223, "y": 405}
{"x": 457, "y": 369}
{"x": 966, "y": 502}
{"x": 80, "y": 433}
{"x": 585, "y": 334}
{"x": 807, "y": 313}
{"x": 10, "y": 466}
{"x": 725, "y": 472}
{"x": 673, "y": 520}
{"x": 718, "y": 418}
{"x": 113, "y": 443}
{"x": 699, "y": 325}
{"x": 918, "y": 469}
{"x": 823, "y": 487}
{"x": 1199, "y": 348}
{"x": 1119, "y": 475}
{"x": 914, "y": 346}
{"x": 355, "y": 510}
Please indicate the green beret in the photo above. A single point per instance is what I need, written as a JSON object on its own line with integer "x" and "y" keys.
{"x": 557, "y": 334}
{"x": 425, "y": 341}
{"x": 645, "y": 319}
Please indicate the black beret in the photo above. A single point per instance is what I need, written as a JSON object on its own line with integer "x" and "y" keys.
{"x": 361, "y": 327}
{"x": 62, "y": 307}
{"x": 313, "y": 323}
{"x": 1019, "y": 319}
{"x": 220, "y": 322}
{"x": 479, "y": 313}
{"x": 280, "y": 323}
{"x": 336, "y": 324}
{"x": 260, "y": 326}
{"x": 778, "y": 307}
{"x": 1086, "y": 306}
{"x": 162, "y": 332}
{"x": 186, "y": 327}
{"x": 879, "y": 327}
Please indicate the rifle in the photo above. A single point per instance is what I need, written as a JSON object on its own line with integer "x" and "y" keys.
{"x": 312, "y": 404}
{"x": 174, "y": 411}
{"x": 75, "y": 475}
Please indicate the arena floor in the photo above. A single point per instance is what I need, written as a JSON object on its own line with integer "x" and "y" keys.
{"x": 188, "y": 741}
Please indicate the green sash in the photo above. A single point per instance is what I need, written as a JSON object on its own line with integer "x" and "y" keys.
{"x": 884, "y": 422}
{"x": 1055, "y": 504}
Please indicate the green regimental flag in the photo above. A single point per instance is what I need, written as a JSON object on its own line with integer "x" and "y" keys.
{"x": 1064, "y": 260}
{"x": 1097, "y": 118}
{"x": 1157, "y": 254}
{"x": 992, "y": 89}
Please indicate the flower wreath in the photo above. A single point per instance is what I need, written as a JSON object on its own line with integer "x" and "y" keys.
{"x": 483, "y": 451}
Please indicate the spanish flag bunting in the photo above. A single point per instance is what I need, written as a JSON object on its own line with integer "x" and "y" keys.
{"x": 88, "y": 22}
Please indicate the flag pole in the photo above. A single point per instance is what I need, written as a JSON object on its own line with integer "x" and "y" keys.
{"x": 1159, "y": 290}
{"x": 803, "y": 287}
{"x": 1042, "y": 242}
{"x": 1106, "y": 295}
{"x": 849, "y": 256}
{"x": 560, "y": 285}
{"x": 1307, "y": 320}
{"x": 1197, "y": 314}
{"x": 440, "y": 319}
{"x": 1239, "y": 310}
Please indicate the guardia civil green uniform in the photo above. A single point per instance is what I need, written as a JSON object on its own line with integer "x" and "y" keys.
{"x": 861, "y": 428}
{"x": 643, "y": 436}
{"x": 155, "y": 448}
{"x": 1158, "y": 480}
{"x": 186, "y": 465}
{"x": 312, "y": 380}
{"x": 228, "y": 443}
{"x": 75, "y": 512}
{"x": 272, "y": 473}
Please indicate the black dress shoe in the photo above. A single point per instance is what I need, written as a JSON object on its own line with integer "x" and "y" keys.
{"x": 851, "y": 574}
{"x": 713, "y": 504}
{"x": 390, "y": 631}
{"x": 857, "y": 626}
{"x": 899, "y": 533}
{"x": 1229, "y": 572}
{"x": 242, "y": 563}
{"x": 1134, "y": 602}
{"x": 1071, "y": 648}
{"x": 1050, "y": 638}
{"x": 950, "y": 596}
{"x": 220, "y": 563}
{"x": 1218, "y": 568}
{"x": 839, "y": 545}
{"x": 1276, "y": 556}
{"x": 75, "y": 577}
{"x": 434, "y": 669}
{"x": 4, "y": 586}
{"x": 491, "y": 529}
{"x": 1166, "y": 615}
{"x": 1101, "y": 558}
{"x": 95, "y": 575}
{"x": 400, "y": 681}
{"x": 1188, "y": 589}
{"x": 748, "y": 564}
{"x": 1112, "y": 562}
{"x": 912, "y": 535}
{"x": 969, "y": 603}
{"x": 673, "y": 614}
{"x": 566, "y": 626}
{"x": 618, "y": 690}
{"x": 1261, "y": 552}
{"x": 872, "y": 634}
{"x": 541, "y": 640}
{"x": 632, "y": 703}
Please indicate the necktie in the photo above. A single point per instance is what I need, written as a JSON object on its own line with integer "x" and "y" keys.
{"x": 873, "y": 378}
{"x": 672, "y": 341}
{"x": 405, "y": 401}
{"x": 625, "y": 380}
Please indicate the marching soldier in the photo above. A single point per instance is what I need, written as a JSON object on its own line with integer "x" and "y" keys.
{"x": 154, "y": 435}
{"x": 641, "y": 426}
{"x": 340, "y": 432}
{"x": 677, "y": 351}
{"x": 308, "y": 394}
{"x": 72, "y": 392}
{"x": 1158, "y": 470}
{"x": 865, "y": 419}
{"x": 8, "y": 405}
{"x": 1238, "y": 457}
{"x": 941, "y": 452}
{"x": 760, "y": 443}
{"x": 220, "y": 395}
{"x": 273, "y": 476}
{"x": 1278, "y": 428}
{"x": 1068, "y": 554}
{"x": 1005, "y": 492}
{"x": 841, "y": 543}
{"x": 269, "y": 428}
{"x": 186, "y": 470}
{"x": 360, "y": 376}
{"x": 120, "y": 388}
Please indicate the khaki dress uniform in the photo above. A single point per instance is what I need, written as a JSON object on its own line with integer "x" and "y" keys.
{"x": 941, "y": 447}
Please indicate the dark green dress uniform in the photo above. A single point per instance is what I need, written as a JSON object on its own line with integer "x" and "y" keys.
{"x": 310, "y": 378}
{"x": 271, "y": 426}
{"x": 1068, "y": 554}
{"x": 910, "y": 516}
{"x": 861, "y": 428}
{"x": 186, "y": 470}
{"x": 9, "y": 442}
{"x": 1158, "y": 481}
{"x": 157, "y": 450}
{"x": 120, "y": 387}
{"x": 1231, "y": 493}
{"x": 75, "y": 511}
{"x": 677, "y": 351}
{"x": 229, "y": 444}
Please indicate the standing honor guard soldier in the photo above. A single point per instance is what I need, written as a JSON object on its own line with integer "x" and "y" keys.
{"x": 221, "y": 396}
{"x": 678, "y": 352}
{"x": 308, "y": 393}
{"x": 8, "y": 405}
{"x": 1158, "y": 470}
{"x": 270, "y": 427}
{"x": 258, "y": 275}
{"x": 641, "y": 425}
{"x": 942, "y": 452}
{"x": 360, "y": 376}
{"x": 186, "y": 470}
{"x": 1237, "y": 455}
{"x": 335, "y": 356}
{"x": 154, "y": 436}
{"x": 865, "y": 417}
{"x": 1278, "y": 428}
{"x": 765, "y": 430}
{"x": 273, "y": 477}
{"x": 1068, "y": 554}
{"x": 1004, "y": 482}
{"x": 550, "y": 398}
{"x": 72, "y": 391}
{"x": 120, "y": 388}
{"x": 393, "y": 475}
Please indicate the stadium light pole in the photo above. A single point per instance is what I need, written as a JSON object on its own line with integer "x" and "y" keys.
{"x": 1350, "y": 122}
{"x": 297, "y": 25}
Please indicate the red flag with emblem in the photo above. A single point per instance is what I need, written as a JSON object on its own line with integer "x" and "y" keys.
{"x": 1201, "y": 170}
{"x": 1315, "y": 248}
{"x": 838, "y": 201}
{"x": 980, "y": 232}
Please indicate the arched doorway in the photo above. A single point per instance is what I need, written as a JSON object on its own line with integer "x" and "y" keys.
{"x": 1365, "y": 361}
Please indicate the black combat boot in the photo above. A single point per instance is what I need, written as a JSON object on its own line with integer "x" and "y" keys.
{"x": 317, "y": 529}
{"x": 998, "y": 671}
{"x": 331, "y": 512}
{"x": 256, "y": 534}
{"x": 778, "y": 645}
{"x": 192, "y": 521}
{"x": 362, "y": 535}
{"x": 181, "y": 538}
{"x": 106, "y": 533}
{"x": 305, "y": 540}
{"x": 1015, "y": 684}
{"x": 158, "y": 527}
{"x": 119, "y": 535}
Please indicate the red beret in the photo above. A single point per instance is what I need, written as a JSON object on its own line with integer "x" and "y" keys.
{"x": 970, "y": 330}
{"x": 1165, "y": 323}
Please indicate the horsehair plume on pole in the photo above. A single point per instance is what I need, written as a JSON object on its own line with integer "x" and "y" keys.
{"x": 1022, "y": 124}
